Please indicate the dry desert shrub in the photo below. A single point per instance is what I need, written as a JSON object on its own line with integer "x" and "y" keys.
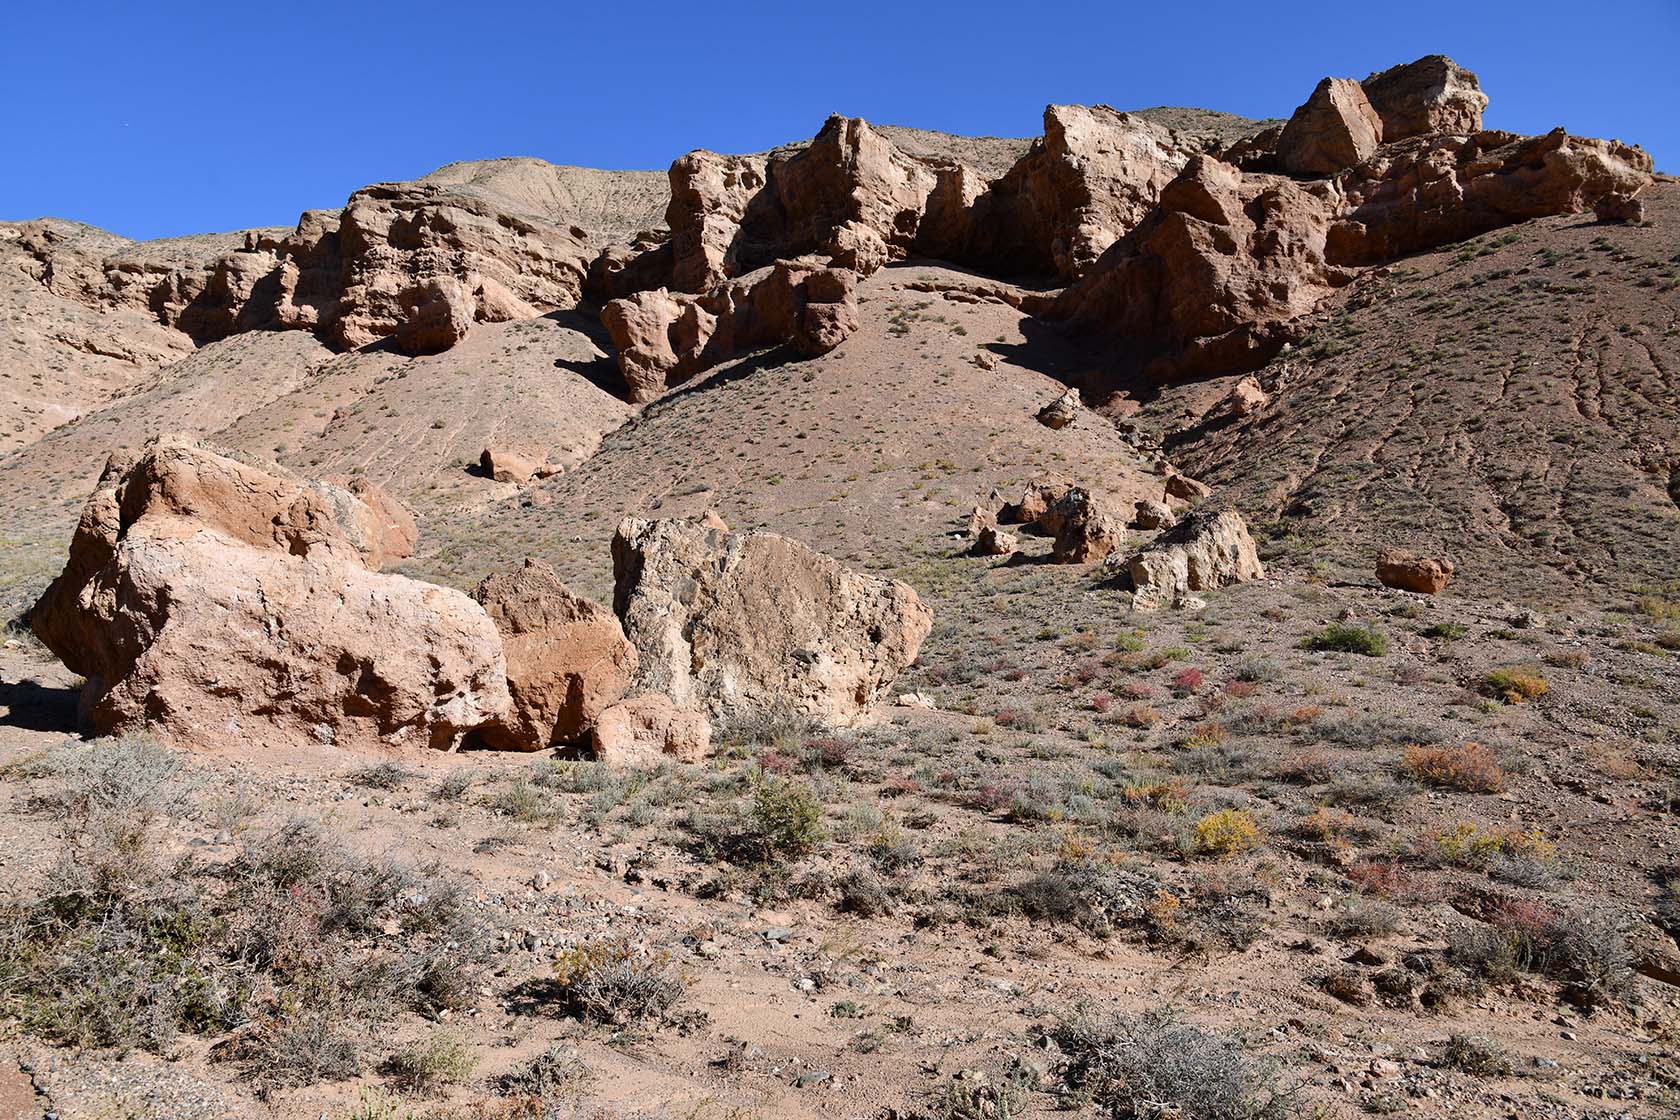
{"x": 1348, "y": 637}
{"x": 1586, "y": 954}
{"x": 432, "y": 1065}
{"x": 1153, "y": 1066}
{"x": 1515, "y": 683}
{"x": 1471, "y": 767}
{"x": 612, "y": 981}
{"x": 302, "y": 943}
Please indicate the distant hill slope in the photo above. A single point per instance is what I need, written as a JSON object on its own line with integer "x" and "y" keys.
{"x": 608, "y": 205}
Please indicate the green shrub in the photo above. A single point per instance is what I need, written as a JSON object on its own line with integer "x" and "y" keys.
{"x": 785, "y": 821}
{"x": 1227, "y": 832}
{"x": 1348, "y": 637}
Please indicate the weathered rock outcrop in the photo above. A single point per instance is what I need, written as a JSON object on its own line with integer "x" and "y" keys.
{"x": 1093, "y": 176}
{"x": 664, "y": 338}
{"x": 1212, "y": 280}
{"x": 1036, "y": 500}
{"x": 745, "y": 622}
{"x": 380, "y": 527}
{"x": 1432, "y": 96}
{"x": 1400, "y": 569}
{"x": 420, "y": 262}
{"x": 224, "y": 605}
{"x": 1218, "y": 278}
{"x": 1205, "y": 551}
{"x": 1335, "y": 128}
{"x": 567, "y": 657}
{"x": 849, "y": 197}
{"x": 1431, "y": 191}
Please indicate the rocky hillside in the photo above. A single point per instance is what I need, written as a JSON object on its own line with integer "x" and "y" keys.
{"x": 896, "y": 625}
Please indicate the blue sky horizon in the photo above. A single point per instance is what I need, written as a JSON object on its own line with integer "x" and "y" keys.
{"x": 172, "y": 118}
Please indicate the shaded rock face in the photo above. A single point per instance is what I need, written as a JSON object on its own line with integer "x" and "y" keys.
{"x": 644, "y": 731}
{"x": 663, "y": 338}
{"x": 223, "y": 605}
{"x": 1212, "y": 279}
{"x": 567, "y": 658}
{"x": 1036, "y": 501}
{"x": 1335, "y": 128}
{"x": 1217, "y": 279}
{"x": 1205, "y": 551}
{"x": 1400, "y": 569}
{"x": 753, "y": 622}
{"x": 1431, "y": 96}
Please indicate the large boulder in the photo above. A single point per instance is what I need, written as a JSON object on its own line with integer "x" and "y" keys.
{"x": 222, "y": 605}
{"x": 378, "y": 524}
{"x": 1404, "y": 571}
{"x": 753, "y": 622}
{"x": 1335, "y": 128}
{"x": 644, "y": 731}
{"x": 1205, "y": 551}
{"x": 1428, "y": 97}
{"x": 567, "y": 657}
{"x": 504, "y": 464}
{"x": 1062, "y": 411}
{"x": 1085, "y": 529}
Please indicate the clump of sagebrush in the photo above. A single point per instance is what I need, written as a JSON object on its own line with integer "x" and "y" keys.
{"x": 1154, "y": 1066}
{"x": 782, "y": 823}
{"x": 117, "y": 950}
{"x": 298, "y": 941}
{"x": 431, "y": 1065}
{"x": 1587, "y": 955}
{"x": 385, "y": 776}
{"x": 546, "y": 1078}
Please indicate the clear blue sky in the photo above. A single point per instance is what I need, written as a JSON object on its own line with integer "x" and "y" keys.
{"x": 153, "y": 118}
